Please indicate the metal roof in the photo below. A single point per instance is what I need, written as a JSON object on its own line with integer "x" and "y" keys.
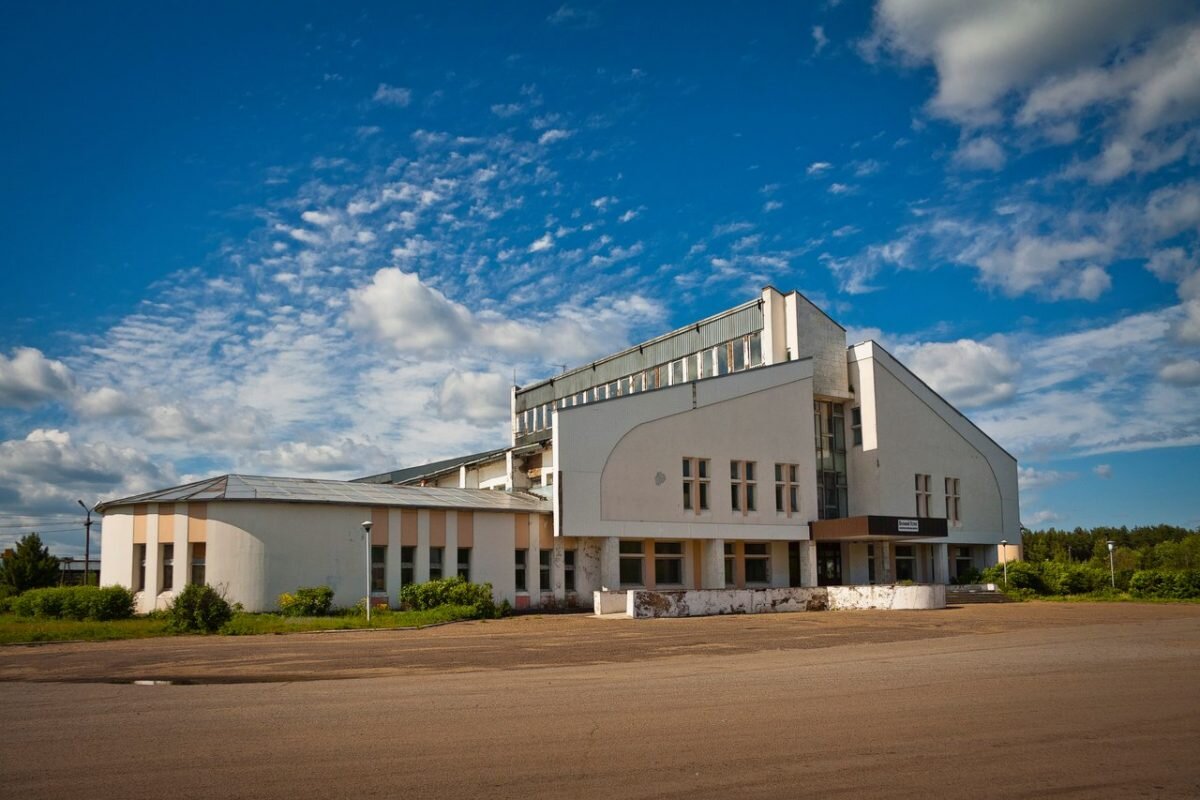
{"x": 410, "y": 474}
{"x": 309, "y": 490}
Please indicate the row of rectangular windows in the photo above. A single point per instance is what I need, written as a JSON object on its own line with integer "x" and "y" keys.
{"x": 436, "y": 559}
{"x": 923, "y": 484}
{"x": 668, "y": 563}
{"x": 166, "y": 565}
{"x": 743, "y": 486}
{"x": 732, "y": 356}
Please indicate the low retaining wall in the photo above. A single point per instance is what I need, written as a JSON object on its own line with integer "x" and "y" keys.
{"x": 609, "y": 602}
{"x": 642, "y": 603}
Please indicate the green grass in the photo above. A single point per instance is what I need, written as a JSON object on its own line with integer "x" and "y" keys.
{"x": 24, "y": 630}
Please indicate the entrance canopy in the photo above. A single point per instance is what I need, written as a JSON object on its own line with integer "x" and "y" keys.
{"x": 878, "y": 528}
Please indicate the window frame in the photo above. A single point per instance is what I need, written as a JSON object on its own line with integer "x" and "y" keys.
{"x": 669, "y": 555}
{"x": 521, "y": 570}
{"x": 459, "y": 564}
{"x": 696, "y": 476}
{"x": 627, "y": 555}
{"x": 379, "y": 586}
{"x": 743, "y": 487}
{"x": 787, "y": 489}
{"x": 546, "y": 571}
{"x": 761, "y": 558}
{"x": 441, "y": 563}
{"x": 922, "y": 483}
{"x": 953, "y": 502}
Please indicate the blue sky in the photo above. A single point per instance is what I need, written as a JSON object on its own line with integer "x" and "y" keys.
{"x": 320, "y": 240}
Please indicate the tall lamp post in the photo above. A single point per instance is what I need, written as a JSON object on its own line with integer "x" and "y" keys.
{"x": 366, "y": 526}
{"x": 1004, "y": 558}
{"x": 1112, "y": 572}
{"x": 87, "y": 544}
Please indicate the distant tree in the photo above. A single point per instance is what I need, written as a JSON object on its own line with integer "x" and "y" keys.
{"x": 28, "y": 566}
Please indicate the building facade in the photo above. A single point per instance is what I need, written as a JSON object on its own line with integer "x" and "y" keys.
{"x": 750, "y": 449}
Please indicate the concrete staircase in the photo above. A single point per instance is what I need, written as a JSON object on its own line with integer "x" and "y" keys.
{"x": 976, "y": 593}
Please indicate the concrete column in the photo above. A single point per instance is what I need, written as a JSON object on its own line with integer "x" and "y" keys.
{"x": 183, "y": 555}
{"x": 712, "y": 567}
{"x": 558, "y": 570}
{"x": 808, "y": 563}
{"x": 392, "y": 571}
{"x": 610, "y": 564}
{"x": 421, "y": 566}
{"x": 153, "y": 581}
{"x": 450, "y": 556}
{"x": 941, "y": 562}
{"x": 886, "y": 573}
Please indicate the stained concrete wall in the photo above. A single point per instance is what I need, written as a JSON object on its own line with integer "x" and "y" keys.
{"x": 641, "y": 603}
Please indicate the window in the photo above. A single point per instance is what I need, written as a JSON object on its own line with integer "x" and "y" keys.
{"x": 723, "y": 357}
{"x": 738, "y": 353}
{"x": 758, "y": 559}
{"x": 408, "y": 555}
{"x": 906, "y": 562}
{"x": 743, "y": 490}
{"x": 787, "y": 489}
{"x": 139, "y": 558}
{"x": 198, "y": 553}
{"x": 829, "y": 425}
{"x": 379, "y": 569}
{"x": 706, "y": 363}
{"x": 464, "y": 563}
{"x": 631, "y": 563}
{"x": 952, "y": 502}
{"x": 435, "y": 562}
{"x": 856, "y": 425}
{"x": 547, "y": 582}
{"x": 695, "y": 484}
{"x": 568, "y": 570}
{"x": 923, "y": 495}
{"x": 963, "y": 563}
{"x": 168, "y": 567}
{"x": 677, "y": 371}
{"x": 755, "y": 349}
{"x": 522, "y": 557}
{"x": 870, "y": 563}
{"x": 729, "y": 562}
{"x": 668, "y": 562}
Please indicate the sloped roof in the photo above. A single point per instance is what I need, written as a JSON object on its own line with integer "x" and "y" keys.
{"x": 311, "y": 490}
{"x": 409, "y": 474}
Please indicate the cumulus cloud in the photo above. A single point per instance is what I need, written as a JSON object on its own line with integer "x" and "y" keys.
{"x": 1103, "y": 471}
{"x": 389, "y": 95}
{"x": 543, "y": 243}
{"x": 475, "y": 396}
{"x": 818, "y": 167}
{"x": 1181, "y": 373}
{"x": 555, "y": 135}
{"x": 981, "y": 152}
{"x": 28, "y": 378}
{"x": 820, "y": 40}
{"x": 967, "y": 373}
{"x": 1031, "y": 478}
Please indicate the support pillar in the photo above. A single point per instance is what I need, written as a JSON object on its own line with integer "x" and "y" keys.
{"x": 712, "y": 566}
{"x": 808, "y": 563}
{"x": 888, "y": 572}
{"x": 941, "y": 562}
{"x": 610, "y": 564}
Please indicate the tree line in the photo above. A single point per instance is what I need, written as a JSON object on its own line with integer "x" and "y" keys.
{"x": 1164, "y": 547}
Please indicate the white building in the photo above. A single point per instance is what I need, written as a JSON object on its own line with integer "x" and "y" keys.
{"x": 750, "y": 449}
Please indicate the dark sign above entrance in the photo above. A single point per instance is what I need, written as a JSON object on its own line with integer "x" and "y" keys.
{"x": 878, "y": 525}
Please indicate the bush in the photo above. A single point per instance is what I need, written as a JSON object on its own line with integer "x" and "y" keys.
{"x": 968, "y": 577}
{"x": 198, "y": 609}
{"x": 1021, "y": 575}
{"x": 450, "y": 592}
{"x": 76, "y": 602}
{"x": 308, "y": 601}
{"x": 1061, "y": 578}
{"x": 1166, "y": 584}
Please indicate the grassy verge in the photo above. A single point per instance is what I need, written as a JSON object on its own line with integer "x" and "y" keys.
{"x": 24, "y": 630}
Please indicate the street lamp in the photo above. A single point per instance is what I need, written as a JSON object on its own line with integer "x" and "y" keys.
{"x": 1112, "y": 572}
{"x": 87, "y": 544}
{"x": 366, "y": 526}
{"x": 1004, "y": 557}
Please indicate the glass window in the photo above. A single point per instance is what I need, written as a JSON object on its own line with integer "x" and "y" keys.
{"x": 408, "y": 556}
{"x": 199, "y": 551}
{"x": 464, "y": 563}
{"x": 379, "y": 568}
{"x": 544, "y": 575}
{"x": 677, "y": 371}
{"x": 923, "y": 494}
{"x": 729, "y": 559}
{"x": 758, "y": 560}
{"x": 706, "y": 363}
{"x": 787, "y": 490}
{"x": 755, "y": 349}
{"x": 739, "y": 355}
{"x": 952, "y": 502}
{"x": 830, "y": 431}
{"x": 742, "y": 487}
{"x": 632, "y": 558}
{"x": 668, "y": 562}
{"x": 695, "y": 473}
{"x": 168, "y": 567}
{"x": 521, "y": 557}
{"x": 139, "y": 555}
{"x": 569, "y": 570}
{"x": 906, "y": 562}
{"x": 856, "y": 425}
{"x": 435, "y": 562}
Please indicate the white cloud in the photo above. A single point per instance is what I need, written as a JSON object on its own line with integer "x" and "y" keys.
{"x": 543, "y": 243}
{"x": 982, "y": 152}
{"x": 389, "y": 95}
{"x": 772, "y": 205}
{"x": 555, "y": 135}
{"x": 1061, "y": 268}
{"x": 967, "y": 373}
{"x": 820, "y": 40}
{"x": 841, "y": 188}
{"x": 1103, "y": 471}
{"x": 105, "y": 402}
{"x": 627, "y": 216}
{"x": 475, "y": 396}
{"x": 28, "y": 378}
{"x": 1031, "y": 478}
{"x": 818, "y": 167}
{"x": 1181, "y": 373}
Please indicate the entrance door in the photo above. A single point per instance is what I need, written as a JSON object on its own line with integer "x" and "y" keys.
{"x": 793, "y": 563}
{"x": 829, "y": 564}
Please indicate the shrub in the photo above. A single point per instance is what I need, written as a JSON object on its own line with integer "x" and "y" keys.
{"x": 198, "y": 609}
{"x": 452, "y": 591}
{"x": 969, "y": 576}
{"x": 76, "y": 602}
{"x": 1062, "y": 578}
{"x": 308, "y": 601}
{"x": 1021, "y": 575}
{"x": 1167, "y": 584}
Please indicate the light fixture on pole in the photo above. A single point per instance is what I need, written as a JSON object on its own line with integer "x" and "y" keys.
{"x": 1112, "y": 572}
{"x": 1004, "y": 558}
{"x": 87, "y": 544}
{"x": 366, "y": 526}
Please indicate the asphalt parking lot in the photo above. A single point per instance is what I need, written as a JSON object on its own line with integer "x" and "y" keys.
{"x": 1038, "y": 699}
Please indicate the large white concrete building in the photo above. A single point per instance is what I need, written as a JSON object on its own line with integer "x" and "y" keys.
{"x": 750, "y": 449}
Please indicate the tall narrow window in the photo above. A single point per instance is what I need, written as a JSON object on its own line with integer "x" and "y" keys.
{"x": 729, "y": 564}
{"x": 139, "y": 558}
{"x": 668, "y": 563}
{"x": 379, "y": 569}
{"x": 696, "y": 475}
{"x": 787, "y": 489}
{"x": 632, "y": 558}
{"x": 758, "y": 560}
{"x": 706, "y": 363}
{"x": 829, "y": 425}
{"x": 568, "y": 570}
{"x": 906, "y": 562}
{"x": 198, "y": 553}
{"x": 870, "y": 563}
{"x": 677, "y": 371}
{"x": 743, "y": 489}
{"x": 856, "y": 425}
{"x": 544, "y": 572}
{"x": 464, "y": 563}
{"x": 168, "y": 567}
{"x": 755, "y": 349}
{"x": 522, "y": 558}
{"x": 436, "y": 555}
{"x": 738, "y": 353}
{"x": 408, "y": 555}
{"x": 922, "y": 484}
{"x": 952, "y": 502}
